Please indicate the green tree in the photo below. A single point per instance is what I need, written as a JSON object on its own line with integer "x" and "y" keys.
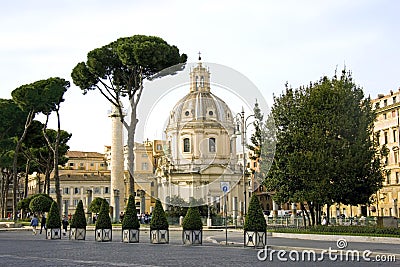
{"x": 12, "y": 120}
{"x": 79, "y": 219}
{"x": 192, "y": 220}
{"x": 325, "y": 153}
{"x": 95, "y": 205}
{"x": 39, "y": 97}
{"x": 130, "y": 220}
{"x": 53, "y": 220}
{"x": 104, "y": 220}
{"x": 255, "y": 220}
{"x": 118, "y": 70}
{"x": 40, "y": 203}
{"x": 158, "y": 218}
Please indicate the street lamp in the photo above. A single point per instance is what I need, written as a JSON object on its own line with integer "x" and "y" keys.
{"x": 243, "y": 124}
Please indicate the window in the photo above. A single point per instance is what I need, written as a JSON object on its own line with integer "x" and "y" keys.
{"x": 76, "y": 202}
{"x": 66, "y": 190}
{"x": 202, "y": 81}
{"x": 385, "y": 134}
{"x": 211, "y": 113}
{"x": 106, "y": 190}
{"x": 211, "y": 144}
{"x": 96, "y": 190}
{"x": 71, "y": 164}
{"x": 388, "y": 178}
{"x": 101, "y": 164}
{"x": 394, "y": 135}
{"x": 385, "y": 102}
{"x": 52, "y": 190}
{"x": 397, "y": 178}
{"x": 159, "y": 147}
{"x": 81, "y": 164}
{"x": 396, "y": 156}
{"x": 393, "y": 113}
{"x": 186, "y": 145}
{"x": 76, "y": 190}
{"x": 384, "y": 116}
{"x": 386, "y": 161}
{"x": 145, "y": 166}
{"x": 394, "y": 100}
{"x": 377, "y": 135}
{"x": 144, "y": 155}
{"x": 92, "y": 164}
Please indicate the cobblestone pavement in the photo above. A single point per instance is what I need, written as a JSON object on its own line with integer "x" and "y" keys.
{"x": 21, "y": 248}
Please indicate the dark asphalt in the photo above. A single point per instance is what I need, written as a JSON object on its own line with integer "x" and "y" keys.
{"x": 21, "y": 248}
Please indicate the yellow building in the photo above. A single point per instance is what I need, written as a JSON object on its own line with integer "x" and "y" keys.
{"x": 87, "y": 175}
{"x": 386, "y": 129}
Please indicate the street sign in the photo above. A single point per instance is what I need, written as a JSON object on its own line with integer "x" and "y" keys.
{"x": 225, "y": 187}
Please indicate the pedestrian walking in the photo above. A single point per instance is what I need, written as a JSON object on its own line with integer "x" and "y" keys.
{"x": 34, "y": 223}
{"x": 65, "y": 225}
{"x": 43, "y": 223}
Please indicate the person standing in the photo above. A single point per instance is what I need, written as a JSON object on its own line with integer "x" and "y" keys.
{"x": 65, "y": 225}
{"x": 43, "y": 223}
{"x": 34, "y": 223}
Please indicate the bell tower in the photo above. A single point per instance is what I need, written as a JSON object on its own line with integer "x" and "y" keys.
{"x": 199, "y": 78}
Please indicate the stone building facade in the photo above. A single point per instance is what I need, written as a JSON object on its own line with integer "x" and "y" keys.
{"x": 200, "y": 156}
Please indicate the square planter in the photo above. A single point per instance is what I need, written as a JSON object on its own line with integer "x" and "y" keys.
{"x": 53, "y": 233}
{"x": 77, "y": 233}
{"x": 255, "y": 239}
{"x": 192, "y": 237}
{"x": 103, "y": 235}
{"x": 159, "y": 236}
{"x": 130, "y": 235}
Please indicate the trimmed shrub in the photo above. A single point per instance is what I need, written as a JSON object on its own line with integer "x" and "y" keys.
{"x": 53, "y": 220}
{"x": 130, "y": 220}
{"x": 158, "y": 219}
{"x": 40, "y": 203}
{"x": 255, "y": 220}
{"x": 192, "y": 220}
{"x": 79, "y": 218}
{"x": 104, "y": 220}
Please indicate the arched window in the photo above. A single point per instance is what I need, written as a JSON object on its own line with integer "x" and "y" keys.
{"x": 186, "y": 145}
{"x": 211, "y": 144}
{"x": 202, "y": 81}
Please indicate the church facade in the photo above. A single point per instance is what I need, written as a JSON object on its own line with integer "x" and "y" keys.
{"x": 200, "y": 161}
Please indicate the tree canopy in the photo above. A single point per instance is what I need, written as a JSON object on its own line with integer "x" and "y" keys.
{"x": 43, "y": 96}
{"x": 117, "y": 70}
{"x": 324, "y": 152}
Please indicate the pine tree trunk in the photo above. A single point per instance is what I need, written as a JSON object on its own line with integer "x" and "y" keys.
{"x": 28, "y": 122}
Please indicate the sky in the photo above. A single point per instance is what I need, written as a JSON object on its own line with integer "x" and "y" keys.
{"x": 269, "y": 42}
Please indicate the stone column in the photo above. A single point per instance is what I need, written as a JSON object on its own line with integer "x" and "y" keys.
{"x": 234, "y": 210}
{"x": 117, "y": 163}
{"x": 294, "y": 211}
{"x": 89, "y": 200}
{"x": 274, "y": 209}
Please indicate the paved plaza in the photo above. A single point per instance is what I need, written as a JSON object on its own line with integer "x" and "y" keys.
{"x": 21, "y": 248}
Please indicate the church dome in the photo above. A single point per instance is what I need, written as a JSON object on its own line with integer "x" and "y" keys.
{"x": 200, "y": 105}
